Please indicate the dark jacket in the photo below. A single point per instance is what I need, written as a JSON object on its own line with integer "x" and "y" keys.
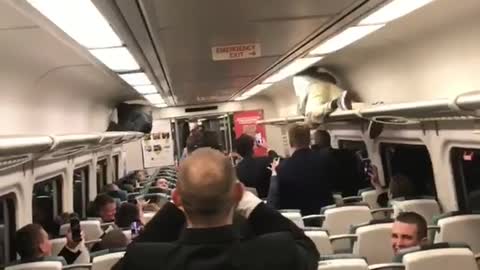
{"x": 278, "y": 244}
{"x": 304, "y": 182}
{"x": 254, "y": 172}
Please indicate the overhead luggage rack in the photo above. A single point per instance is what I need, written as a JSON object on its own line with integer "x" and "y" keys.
{"x": 463, "y": 107}
{"x": 18, "y": 150}
{"x": 67, "y": 145}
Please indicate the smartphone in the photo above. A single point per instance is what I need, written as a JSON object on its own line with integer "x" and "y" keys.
{"x": 135, "y": 228}
{"x": 75, "y": 229}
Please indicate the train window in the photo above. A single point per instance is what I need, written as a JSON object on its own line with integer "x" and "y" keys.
{"x": 116, "y": 161}
{"x": 356, "y": 146}
{"x": 7, "y": 229}
{"x": 412, "y": 161}
{"x": 101, "y": 175}
{"x": 47, "y": 203}
{"x": 80, "y": 191}
{"x": 466, "y": 168}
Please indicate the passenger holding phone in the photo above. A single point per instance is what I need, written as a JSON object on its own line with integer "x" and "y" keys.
{"x": 400, "y": 186}
{"x": 33, "y": 245}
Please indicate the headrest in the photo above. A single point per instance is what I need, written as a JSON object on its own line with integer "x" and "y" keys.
{"x": 399, "y": 256}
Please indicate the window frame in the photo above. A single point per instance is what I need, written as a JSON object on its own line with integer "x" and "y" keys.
{"x": 103, "y": 181}
{"x": 116, "y": 166}
{"x": 58, "y": 184}
{"x": 9, "y": 203}
{"x": 387, "y": 165}
{"x": 461, "y": 190}
{"x": 85, "y": 170}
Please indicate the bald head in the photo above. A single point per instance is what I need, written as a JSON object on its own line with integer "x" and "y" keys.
{"x": 206, "y": 185}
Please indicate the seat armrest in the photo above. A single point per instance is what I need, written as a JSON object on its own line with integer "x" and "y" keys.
{"x": 94, "y": 241}
{"x": 321, "y": 217}
{"x": 387, "y": 266}
{"x": 385, "y": 210}
{"x": 352, "y": 199}
{"x": 78, "y": 266}
{"x": 342, "y": 236}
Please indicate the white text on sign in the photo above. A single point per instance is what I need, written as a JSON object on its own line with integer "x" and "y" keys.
{"x": 233, "y": 52}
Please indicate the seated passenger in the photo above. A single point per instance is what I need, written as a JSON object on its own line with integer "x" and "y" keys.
{"x": 207, "y": 195}
{"x": 114, "y": 239}
{"x": 400, "y": 186}
{"x": 32, "y": 245}
{"x": 127, "y": 214}
{"x": 105, "y": 207}
{"x": 301, "y": 181}
{"x": 408, "y": 230}
{"x": 252, "y": 171}
{"x": 114, "y": 191}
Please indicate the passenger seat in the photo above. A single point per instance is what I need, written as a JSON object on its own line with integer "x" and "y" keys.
{"x": 442, "y": 256}
{"x": 343, "y": 264}
{"x": 36, "y": 266}
{"x": 338, "y": 220}
{"x": 459, "y": 227}
{"x": 427, "y": 208}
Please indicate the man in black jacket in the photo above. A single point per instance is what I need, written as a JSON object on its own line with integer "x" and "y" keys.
{"x": 252, "y": 171}
{"x": 32, "y": 245}
{"x": 207, "y": 196}
{"x": 302, "y": 181}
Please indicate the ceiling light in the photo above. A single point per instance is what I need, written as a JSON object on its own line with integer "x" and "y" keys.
{"x": 117, "y": 59}
{"x": 393, "y": 10}
{"x": 240, "y": 98}
{"x": 256, "y": 89}
{"x": 81, "y": 20}
{"x": 160, "y": 105}
{"x": 137, "y": 78}
{"x": 146, "y": 89}
{"x": 345, "y": 38}
{"x": 292, "y": 69}
{"x": 154, "y": 99}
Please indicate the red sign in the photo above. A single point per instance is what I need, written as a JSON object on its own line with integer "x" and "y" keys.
{"x": 246, "y": 123}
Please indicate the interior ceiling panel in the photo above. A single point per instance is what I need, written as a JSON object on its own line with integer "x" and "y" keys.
{"x": 10, "y": 18}
{"x": 184, "y": 31}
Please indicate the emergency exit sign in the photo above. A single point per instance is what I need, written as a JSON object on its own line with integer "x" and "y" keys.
{"x": 238, "y": 51}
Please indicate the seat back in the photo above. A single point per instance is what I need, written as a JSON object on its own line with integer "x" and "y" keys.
{"x": 462, "y": 228}
{"x": 370, "y": 197}
{"x": 338, "y": 220}
{"x": 294, "y": 216}
{"x": 343, "y": 264}
{"x": 105, "y": 262}
{"x": 147, "y": 216}
{"x": 440, "y": 259}
{"x": 321, "y": 241}
{"x": 57, "y": 245}
{"x": 91, "y": 228}
{"x": 427, "y": 208}
{"x": 374, "y": 243}
{"x": 36, "y": 266}
{"x": 128, "y": 234}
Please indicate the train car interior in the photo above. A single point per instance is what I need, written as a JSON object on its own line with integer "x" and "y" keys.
{"x": 95, "y": 93}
